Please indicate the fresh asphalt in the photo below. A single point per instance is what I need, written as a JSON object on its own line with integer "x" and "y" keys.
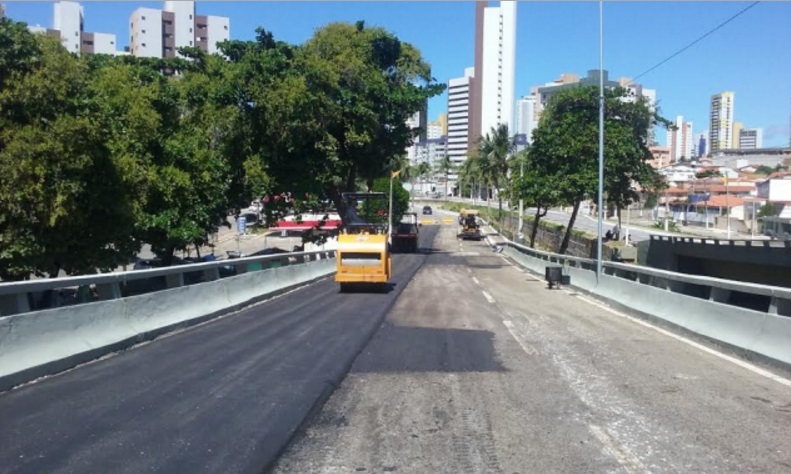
{"x": 468, "y": 365}
{"x": 480, "y": 368}
{"x": 224, "y": 397}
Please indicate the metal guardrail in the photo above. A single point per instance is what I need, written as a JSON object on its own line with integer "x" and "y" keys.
{"x": 17, "y": 297}
{"x": 724, "y": 242}
{"x": 715, "y": 289}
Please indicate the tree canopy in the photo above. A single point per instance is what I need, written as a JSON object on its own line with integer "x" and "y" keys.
{"x": 563, "y": 159}
{"x": 101, "y": 154}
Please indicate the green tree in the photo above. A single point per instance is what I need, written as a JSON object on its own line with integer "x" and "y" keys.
{"x": 400, "y": 196}
{"x": 445, "y": 166}
{"x": 469, "y": 175}
{"x": 565, "y": 147}
{"x": 68, "y": 202}
{"x": 494, "y": 150}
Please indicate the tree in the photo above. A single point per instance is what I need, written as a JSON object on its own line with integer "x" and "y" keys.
{"x": 69, "y": 201}
{"x": 469, "y": 174}
{"x": 536, "y": 186}
{"x": 494, "y": 150}
{"x": 445, "y": 166}
{"x": 565, "y": 147}
{"x": 400, "y": 196}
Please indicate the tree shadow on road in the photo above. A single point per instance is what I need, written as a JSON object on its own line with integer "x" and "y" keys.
{"x": 419, "y": 349}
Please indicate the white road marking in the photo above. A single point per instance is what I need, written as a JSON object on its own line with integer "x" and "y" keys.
{"x": 476, "y": 281}
{"x": 734, "y": 360}
{"x": 512, "y": 329}
{"x": 745, "y": 365}
{"x": 487, "y": 296}
{"x": 617, "y": 450}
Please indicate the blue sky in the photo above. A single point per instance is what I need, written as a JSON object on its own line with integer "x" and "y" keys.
{"x": 750, "y": 56}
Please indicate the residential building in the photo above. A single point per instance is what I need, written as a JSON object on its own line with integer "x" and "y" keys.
{"x": 458, "y": 142}
{"x": 443, "y": 122}
{"x": 160, "y": 33}
{"x": 69, "y": 27}
{"x": 703, "y": 144}
{"x": 661, "y": 157}
{"x": 434, "y": 130}
{"x": 2, "y": 10}
{"x": 721, "y": 122}
{"x": 777, "y": 190}
{"x": 492, "y": 90}
{"x": 526, "y": 116}
{"x": 758, "y": 157}
{"x": 680, "y": 140}
{"x": 737, "y": 130}
{"x": 544, "y": 93}
{"x": 751, "y": 138}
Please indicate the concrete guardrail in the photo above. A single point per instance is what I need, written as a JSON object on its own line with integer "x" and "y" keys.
{"x": 43, "y": 342}
{"x": 709, "y": 310}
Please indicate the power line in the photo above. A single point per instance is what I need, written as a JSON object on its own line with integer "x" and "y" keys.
{"x": 741, "y": 12}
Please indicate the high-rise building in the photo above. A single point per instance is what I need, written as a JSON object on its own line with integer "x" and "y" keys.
{"x": 703, "y": 144}
{"x": 2, "y": 10}
{"x": 160, "y": 33}
{"x": 721, "y": 122}
{"x": 434, "y": 130}
{"x": 527, "y": 116}
{"x": 492, "y": 95}
{"x": 459, "y": 131}
{"x": 680, "y": 140}
{"x": 751, "y": 138}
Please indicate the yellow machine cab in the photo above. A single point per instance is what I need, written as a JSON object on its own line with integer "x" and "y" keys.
{"x": 363, "y": 254}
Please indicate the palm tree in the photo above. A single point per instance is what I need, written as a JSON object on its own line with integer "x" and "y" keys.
{"x": 445, "y": 166}
{"x": 469, "y": 174}
{"x": 423, "y": 170}
{"x": 494, "y": 149}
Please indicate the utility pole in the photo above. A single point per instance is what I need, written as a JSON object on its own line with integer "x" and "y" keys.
{"x": 599, "y": 253}
{"x": 521, "y": 201}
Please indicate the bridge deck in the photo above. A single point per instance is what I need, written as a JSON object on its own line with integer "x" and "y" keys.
{"x": 474, "y": 366}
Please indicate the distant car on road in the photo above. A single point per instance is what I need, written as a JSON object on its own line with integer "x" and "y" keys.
{"x": 427, "y": 211}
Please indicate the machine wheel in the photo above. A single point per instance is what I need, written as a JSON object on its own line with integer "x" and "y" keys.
{"x": 344, "y": 288}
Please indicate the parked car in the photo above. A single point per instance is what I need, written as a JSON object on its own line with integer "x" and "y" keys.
{"x": 427, "y": 211}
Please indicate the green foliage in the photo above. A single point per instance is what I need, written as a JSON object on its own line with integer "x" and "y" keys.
{"x": 400, "y": 196}
{"x": 101, "y": 154}
{"x": 707, "y": 174}
{"x": 767, "y": 210}
{"x": 565, "y": 147}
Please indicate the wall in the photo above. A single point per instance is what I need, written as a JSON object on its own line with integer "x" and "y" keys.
{"x": 44, "y": 342}
{"x": 756, "y": 332}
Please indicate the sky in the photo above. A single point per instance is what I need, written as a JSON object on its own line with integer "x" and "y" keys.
{"x": 750, "y": 56}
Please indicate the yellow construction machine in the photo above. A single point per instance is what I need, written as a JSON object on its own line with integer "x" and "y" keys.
{"x": 363, "y": 254}
{"x": 470, "y": 229}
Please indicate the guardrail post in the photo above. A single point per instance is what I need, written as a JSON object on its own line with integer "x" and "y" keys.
{"x": 174, "y": 280}
{"x": 719, "y": 295}
{"x": 108, "y": 291}
{"x": 779, "y": 306}
{"x": 211, "y": 274}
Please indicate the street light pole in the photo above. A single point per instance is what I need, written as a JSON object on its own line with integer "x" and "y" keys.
{"x": 599, "y": 254}
{"x": 521, "y": 201}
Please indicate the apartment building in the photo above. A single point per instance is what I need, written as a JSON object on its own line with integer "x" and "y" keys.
{"x": 68, "y": 26}
{"x": 751, "y": 138}
{"x": 526, "y": 116}
{"x": 495, "y": 66}
{"x": 680, "y": 140}
{"x": 160, "y": 33}
{"x": 721, "y": 122}
{"x": 458, "y": 142}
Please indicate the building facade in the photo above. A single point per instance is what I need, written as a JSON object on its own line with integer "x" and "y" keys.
{"x": 721, "y": 122}
{"x": 68, "y": 26}
{"x": 680, "y": 140}
{"x": 160, "y": 33}
{"x": 751, "y": 138}
{"x": 526, "y": 117}
{"x": 459, "y": 92}
{"x": 660, "y": 157}
{"x": 491, "y": 97}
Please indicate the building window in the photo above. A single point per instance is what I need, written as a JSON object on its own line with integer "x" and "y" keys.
{"x": 143, "y": 45}
{"x": 190, "y": 16}
{"x": 143, "y": 18}
{"x": 226, "y": 27}
{"x": 144, "y": 31}
{"x": 190, "y": 42}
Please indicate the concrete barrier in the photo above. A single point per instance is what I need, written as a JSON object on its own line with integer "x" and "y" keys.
{"x": 751, "y": 332}
{"x": 39, "y": 343}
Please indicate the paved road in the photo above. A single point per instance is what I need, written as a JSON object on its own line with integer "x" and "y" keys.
{"x": 219, "y": 398}
{"x": 480, "y": 368}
